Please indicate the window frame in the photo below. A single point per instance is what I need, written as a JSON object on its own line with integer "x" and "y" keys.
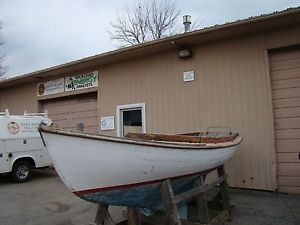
{"x": 135, "y": 106}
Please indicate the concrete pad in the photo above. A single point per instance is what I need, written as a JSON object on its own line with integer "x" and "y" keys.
{"x": 45, "y": 200}
{"x": 264, "y": 208}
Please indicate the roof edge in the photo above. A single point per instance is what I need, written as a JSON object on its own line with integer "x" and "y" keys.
{"x": 262, "y": 17}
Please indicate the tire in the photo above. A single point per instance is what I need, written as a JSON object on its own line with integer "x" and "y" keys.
{"x": 21, "y": 172}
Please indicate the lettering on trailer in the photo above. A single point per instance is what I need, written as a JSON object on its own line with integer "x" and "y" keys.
{"x": 24, "y": 127}
{"x": 29, "y": 127}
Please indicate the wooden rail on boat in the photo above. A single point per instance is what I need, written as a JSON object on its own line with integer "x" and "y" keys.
{"x": 190, "y": 138}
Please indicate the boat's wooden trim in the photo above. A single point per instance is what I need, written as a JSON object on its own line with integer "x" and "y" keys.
{"x": 180, "y": 138}
{"x": 150, "y": 143}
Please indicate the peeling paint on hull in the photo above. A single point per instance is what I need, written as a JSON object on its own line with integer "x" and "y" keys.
{"x": 144, "y": 196}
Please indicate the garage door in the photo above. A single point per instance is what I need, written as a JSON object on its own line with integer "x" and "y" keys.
{"x": 285, "y": 76}
{"x": 75, "y": 112}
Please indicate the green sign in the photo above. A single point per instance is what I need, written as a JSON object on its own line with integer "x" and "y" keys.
{"x": 81, "y": 81}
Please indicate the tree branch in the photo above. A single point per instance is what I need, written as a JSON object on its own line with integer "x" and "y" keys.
{"x": 148, "y": 20}
{"x": 3, "y": 68}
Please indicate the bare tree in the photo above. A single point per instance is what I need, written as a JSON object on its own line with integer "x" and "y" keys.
{"x": 3, "y": 68}
{"x": 131, "y": 26}
{"x": 148, "y": 20}
{"x": 161, "y": 18}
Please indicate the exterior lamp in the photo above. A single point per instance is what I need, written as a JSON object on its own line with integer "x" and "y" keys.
{"x": 184, "y": 53}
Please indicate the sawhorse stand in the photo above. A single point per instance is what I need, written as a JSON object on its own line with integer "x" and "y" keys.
{"x": 171, "y": 215}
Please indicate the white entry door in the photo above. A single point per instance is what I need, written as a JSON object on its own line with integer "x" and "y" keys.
{"x": 131, "y": 119}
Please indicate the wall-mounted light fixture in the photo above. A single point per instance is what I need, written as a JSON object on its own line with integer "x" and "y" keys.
{"x": 184, "y": 53}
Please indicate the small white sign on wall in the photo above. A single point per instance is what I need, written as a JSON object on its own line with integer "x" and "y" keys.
{"x": 51, "y": 87}
{"x": 188, "y": 76}
{"x": 108, "y": 123}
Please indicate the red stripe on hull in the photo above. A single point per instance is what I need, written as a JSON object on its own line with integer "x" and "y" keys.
{"x": 124, "y": 186}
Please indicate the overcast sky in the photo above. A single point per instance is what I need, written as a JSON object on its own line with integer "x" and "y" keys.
{"x": 44, "y": 33}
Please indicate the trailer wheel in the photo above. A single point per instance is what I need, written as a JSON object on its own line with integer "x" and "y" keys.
{"x": 21, "y": 171}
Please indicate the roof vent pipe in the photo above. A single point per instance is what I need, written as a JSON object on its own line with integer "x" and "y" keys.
{"x": 187, "y": 20}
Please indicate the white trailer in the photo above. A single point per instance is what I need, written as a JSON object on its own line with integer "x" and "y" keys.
{"x": 21, "y": 146}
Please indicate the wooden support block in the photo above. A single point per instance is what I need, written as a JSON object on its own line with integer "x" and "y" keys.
{"x": 202, "y": 208}
{"x": 196, "y": 191}
{"x": 170, "y": 205}
{"x": 185, "y": 222}
{"x": 224, "y": 189}
{"x": 171, "y": 217}
{"x": 220, "y": 218}
{"x": 103, "y": 217}
{"x": 155, "y": 219}
{"x": 133, "y": 216}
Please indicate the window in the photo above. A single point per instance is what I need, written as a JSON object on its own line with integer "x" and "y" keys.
{"x": 131, "y": 118}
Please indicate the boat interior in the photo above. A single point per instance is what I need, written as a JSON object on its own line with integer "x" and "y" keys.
{"x": 197, "y": 137}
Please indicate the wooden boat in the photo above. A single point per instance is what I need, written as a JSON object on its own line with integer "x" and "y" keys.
{"x": 128, "y": 171}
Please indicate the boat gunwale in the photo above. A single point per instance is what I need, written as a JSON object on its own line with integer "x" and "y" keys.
{"x": 179, "y": 145}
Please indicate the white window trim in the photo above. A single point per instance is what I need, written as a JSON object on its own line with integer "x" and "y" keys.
{"x": 130, "y": 106}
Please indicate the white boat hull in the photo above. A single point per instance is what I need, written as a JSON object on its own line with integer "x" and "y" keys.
{"x": 86, "y": 165}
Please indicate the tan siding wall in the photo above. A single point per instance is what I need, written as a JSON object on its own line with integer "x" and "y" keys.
{"x": 231, "y": 88}
{"x": 281, "y": 38}
{"x": 19, "y": 98}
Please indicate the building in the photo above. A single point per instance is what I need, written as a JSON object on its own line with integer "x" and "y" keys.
{"x": 244, "y": 75}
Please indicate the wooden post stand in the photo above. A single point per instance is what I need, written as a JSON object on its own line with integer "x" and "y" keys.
{"x": 133, "y": 216}
{"x": 202, "y": 207}
{"x": 170, "y": 204}
{"x": 103, "y": 217}
{"x": 224, "y": 190}
{"x": 199, "y": 193}
{"x": 171, "y": 215}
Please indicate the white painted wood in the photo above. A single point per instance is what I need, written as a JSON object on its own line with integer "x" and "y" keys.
{"x": 141, "y": 106}
{"x": 87, "y": 162}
